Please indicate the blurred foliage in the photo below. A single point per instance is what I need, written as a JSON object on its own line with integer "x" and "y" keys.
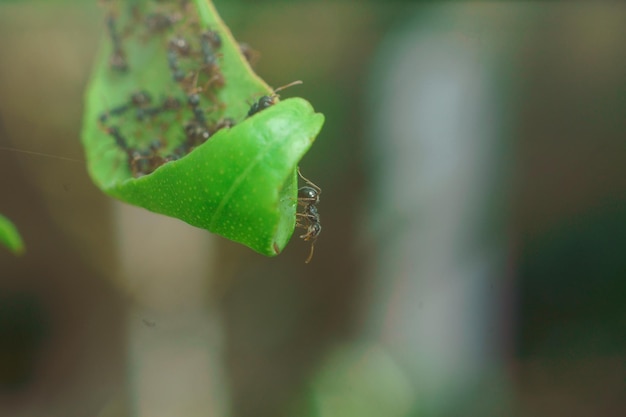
{"x": 10, "y": 237}
{"x": 573, "y": 290}
{"x": 23, "y": 328}
{"x": 360, "y": 381}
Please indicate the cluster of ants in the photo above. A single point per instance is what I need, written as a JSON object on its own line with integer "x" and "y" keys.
{"x": 190, "y": 58}
{"x": 193, "y": 57}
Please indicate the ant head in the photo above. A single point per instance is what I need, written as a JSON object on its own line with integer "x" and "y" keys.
{"x": 308, "y": 195}
{"x": 266, "y": 101}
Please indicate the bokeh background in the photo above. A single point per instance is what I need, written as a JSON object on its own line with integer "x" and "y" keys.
{"x": 472, "y": 260}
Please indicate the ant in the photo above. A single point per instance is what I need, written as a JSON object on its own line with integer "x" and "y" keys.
{"x": 210, "y": 40}
{"x": 309, "y": 219}
{"x": 160, "y": 22}
{"x": 118, "y": 60}
{"x": 139, "y": 99}
{"x": 172, "y": 61}
{"x": 169, "y": 103}
{"x": 225, "y": 122}
{"x": 196, "y": 133}
{"x": 177, "y": 47}
{"x": 250, "y": 54}
{"x": 266, "y": 101}
{"x": 193, "y": 100}
{"x": 196, "y": 130}
{"x": 117, "y": 136}
{"x": 140, "y": 162}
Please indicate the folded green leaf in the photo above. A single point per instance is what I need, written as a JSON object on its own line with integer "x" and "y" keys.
{"x": 241, "y": 183}
{"x": 10, "y": 237}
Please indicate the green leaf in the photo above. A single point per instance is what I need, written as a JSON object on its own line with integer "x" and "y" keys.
{"x": 10, "y": 237}
{"x": 241, "y": 183}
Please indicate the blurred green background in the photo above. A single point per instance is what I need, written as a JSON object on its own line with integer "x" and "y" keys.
{"x": 473, "y": 167}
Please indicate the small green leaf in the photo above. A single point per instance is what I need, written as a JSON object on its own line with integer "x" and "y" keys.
{"x": 241, "y": 183}
{"x": 10, "y": 237}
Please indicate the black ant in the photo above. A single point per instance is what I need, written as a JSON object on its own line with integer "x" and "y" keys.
{"x": 266, "y": 101}
{"x": 170, "y": 103}
{"x": 194, "y": 102}
{"x": 160, "y": 22}
{"x": 250, "y": 54}
{"x": 225, "y": 122}
{"x": 177, "y": 47}
{"x": 179, "y": 152}
{"x": 309, "y": 219}
{"x": 117, "y": 136}
{"x": 211, "y": 67}
{"x": 140, "y": 162}
{"x": 143, "y": 162}
{"x": 139, "y": 99}
{"x": 118, "y": 60}
{"x": 197, "y": 133}
{"x": 210, "y": 40}
{"x": 172, "y": 61}
{"x": 196, "y": 130}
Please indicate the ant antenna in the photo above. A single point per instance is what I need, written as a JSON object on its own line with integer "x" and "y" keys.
{"x": 310, "y": 253}
{"x": 309, "y": 182}
{"x": 282, "y": 87}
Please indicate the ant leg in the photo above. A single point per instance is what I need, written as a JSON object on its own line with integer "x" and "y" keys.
{"x": 308, "y": 235}
{"x": 302, "y": 225}
{"x": 310, "y": 253}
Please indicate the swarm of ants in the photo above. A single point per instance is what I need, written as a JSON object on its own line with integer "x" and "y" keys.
{"x": 193, "y": 57}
